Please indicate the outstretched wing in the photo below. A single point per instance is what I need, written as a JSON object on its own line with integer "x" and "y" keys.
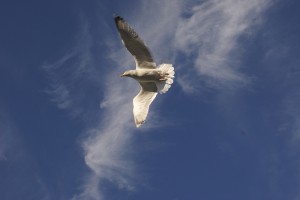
{"x": 134, "y": 45}
{"x": 142, "y": 102}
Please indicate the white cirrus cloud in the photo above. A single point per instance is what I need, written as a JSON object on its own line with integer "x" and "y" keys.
{"x": 207, "y": 35}
{"x": 70, "y": 75}
{"x": 107, "y": 141}
{"x": 107, "y": 145}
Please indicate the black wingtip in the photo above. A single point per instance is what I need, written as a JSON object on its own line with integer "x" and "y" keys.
{"x": 117, "y": 17}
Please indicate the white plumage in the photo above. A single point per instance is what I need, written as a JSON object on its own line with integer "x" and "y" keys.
{"x": 152, "y": 79}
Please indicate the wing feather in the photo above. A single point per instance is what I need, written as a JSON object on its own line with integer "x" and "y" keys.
{"x": 142, "y": 101}
{"x": 135, "y": 45}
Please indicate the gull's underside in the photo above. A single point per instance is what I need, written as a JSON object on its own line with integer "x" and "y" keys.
{"x": 152, "y": 79}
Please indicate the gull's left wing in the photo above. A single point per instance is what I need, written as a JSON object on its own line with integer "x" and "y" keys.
{"x": 134, "y": 45}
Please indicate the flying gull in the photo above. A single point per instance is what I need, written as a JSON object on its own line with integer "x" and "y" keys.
{"x": 152, "y": 78}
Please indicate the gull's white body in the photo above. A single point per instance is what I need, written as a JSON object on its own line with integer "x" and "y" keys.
{"x": 152, "y": 79}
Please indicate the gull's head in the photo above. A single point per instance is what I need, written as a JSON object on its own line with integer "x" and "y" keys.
{"x": 128, "y": 73}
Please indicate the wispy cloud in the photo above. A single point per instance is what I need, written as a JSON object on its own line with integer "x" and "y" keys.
{"x": 201, "y": 38}
{"x": 107, "y": 141}
{"x": 90, "y": 189}
{"x": 107, "y": 147}
{"x": 69, "y": 75}
{"x": 208, "y": 36}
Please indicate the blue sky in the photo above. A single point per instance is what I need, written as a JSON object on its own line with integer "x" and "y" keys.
{"x": 229, "y": 128}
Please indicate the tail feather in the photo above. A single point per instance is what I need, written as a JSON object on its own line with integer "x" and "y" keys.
{"x": 163, "y": 86}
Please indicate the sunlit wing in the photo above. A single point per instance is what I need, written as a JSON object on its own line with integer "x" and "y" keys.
{"x": 134, "y": 45}
{"x": 142, "y": 101}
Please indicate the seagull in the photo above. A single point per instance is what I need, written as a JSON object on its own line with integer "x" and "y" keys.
{"x": 152, "y": 78}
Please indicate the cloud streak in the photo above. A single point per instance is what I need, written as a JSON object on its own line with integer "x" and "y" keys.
{"x": 207, "y": 35}
{"x": 109, "y": 126}
{"x": 69, "y": 75}
{"x": 107, "y": 149}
